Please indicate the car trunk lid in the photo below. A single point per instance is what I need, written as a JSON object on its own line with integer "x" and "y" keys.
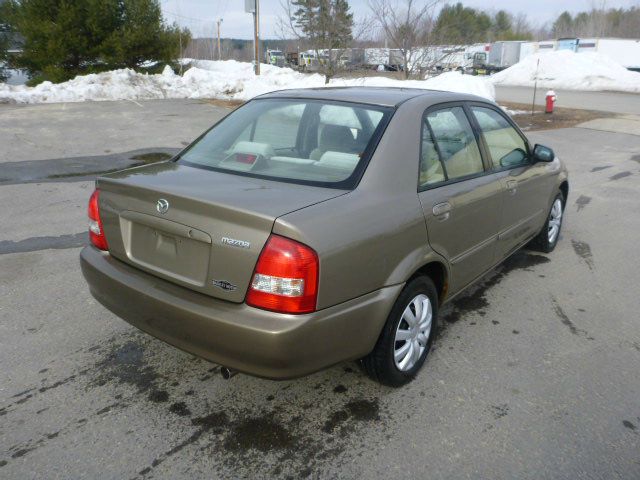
{"x": 214, "y": 227}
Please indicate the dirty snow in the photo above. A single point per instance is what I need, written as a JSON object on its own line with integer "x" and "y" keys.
{"x": 215, "y": 79}
{"x": 567, "y": 70}
{"x": 513, "y": 113}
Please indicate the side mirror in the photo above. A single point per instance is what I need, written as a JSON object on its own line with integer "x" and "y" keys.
{"x": 543, "y": 154}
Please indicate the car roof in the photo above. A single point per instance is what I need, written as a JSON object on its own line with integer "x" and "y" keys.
{"x": 381, "y": 96}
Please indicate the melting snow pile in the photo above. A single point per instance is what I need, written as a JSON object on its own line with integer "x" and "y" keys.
{"x": 214, "y": 79}
{"x": 564, "y": 69}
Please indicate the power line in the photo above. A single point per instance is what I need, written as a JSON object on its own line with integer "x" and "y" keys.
{"x": 199, "y": 20}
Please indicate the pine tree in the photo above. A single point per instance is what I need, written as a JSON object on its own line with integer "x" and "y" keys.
{"x": 457, "y": 24}
{"x": 4, "y": 43}
{"x": 327, "y": 26}
{"x": 142, "y": 36}
{"x": 502, "y": 26}
{"x": 563, "y": 26}
{"x": 64, "y": 38}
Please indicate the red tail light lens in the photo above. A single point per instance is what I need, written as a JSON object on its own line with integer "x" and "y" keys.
{"x": 286, "y": 277}
{"x": 96, "y": 232}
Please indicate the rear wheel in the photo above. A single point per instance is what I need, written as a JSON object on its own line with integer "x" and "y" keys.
{"x": 548, "y": 237}
{"x": 407, "y": 336}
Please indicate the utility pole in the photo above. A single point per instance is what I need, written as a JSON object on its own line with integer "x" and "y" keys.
{"x": 252, "y": 6}
{"x": 256, "y": 36}
{"x": 219, "y": 50}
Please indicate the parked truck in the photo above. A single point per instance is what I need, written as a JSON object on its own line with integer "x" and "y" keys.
{"x": 291, "y": 59}
{"x": 308, "y": 61}
{"x": 470, "y": 59}
{"x": 274, "y": 57}
{"x": 504, "y": 54}
{"x": 352, "y": 58}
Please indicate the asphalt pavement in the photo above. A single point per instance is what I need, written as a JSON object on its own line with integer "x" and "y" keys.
{"x": 616, "y": 102}
{"x": 534, "y": 374}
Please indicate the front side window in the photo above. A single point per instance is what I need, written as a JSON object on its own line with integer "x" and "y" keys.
{"x": 449, "y": 147}
{"x": 506, "y": 146}
{"x": 306, "y": 141}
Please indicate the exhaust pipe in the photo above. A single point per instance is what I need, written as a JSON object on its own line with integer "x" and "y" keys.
{"x": 227, "y": 373}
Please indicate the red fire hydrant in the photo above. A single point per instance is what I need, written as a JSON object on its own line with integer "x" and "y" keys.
{"x": 551, "y": 100}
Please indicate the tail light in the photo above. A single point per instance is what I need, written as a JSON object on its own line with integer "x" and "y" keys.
{"x": 286, "y": 277}
{"x": 96, "y": 232}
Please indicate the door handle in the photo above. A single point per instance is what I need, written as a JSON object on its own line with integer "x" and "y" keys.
{"x": 512, "y": 186}
{"x": 442, "y": 210}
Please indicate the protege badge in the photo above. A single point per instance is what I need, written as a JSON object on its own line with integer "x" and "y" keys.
{"x": 224, "y": 285}
{"x": 235, "y": 243}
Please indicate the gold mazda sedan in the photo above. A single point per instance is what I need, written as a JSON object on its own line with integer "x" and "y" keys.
{"x": 310, "y": 227}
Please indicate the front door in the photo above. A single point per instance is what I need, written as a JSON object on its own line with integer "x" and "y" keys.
{"x": 461, "y": 202}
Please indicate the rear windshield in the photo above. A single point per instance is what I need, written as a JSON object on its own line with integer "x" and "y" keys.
{"x": 301, "y": 141}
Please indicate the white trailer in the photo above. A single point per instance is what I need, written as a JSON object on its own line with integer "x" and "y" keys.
{"x": 387, "y": 58}
{"x": 450, "y": 57}
{"x": 374, "y": 57}
{"x": 528, "y": 48}
{"x": 624, "y": 51}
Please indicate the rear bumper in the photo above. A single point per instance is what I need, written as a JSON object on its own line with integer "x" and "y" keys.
{"x": 244, "y": 338}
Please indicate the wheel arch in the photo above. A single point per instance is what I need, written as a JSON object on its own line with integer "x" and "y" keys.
{"x": 564, "y": 188}
{"x": 438, "y": 272}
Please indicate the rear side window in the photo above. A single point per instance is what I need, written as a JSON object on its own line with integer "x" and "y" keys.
{"x": 506, "y": 146}
{"x": 431, "y": 170}
{"x": 305, "y": 141}
{"x": 449, "y": 147}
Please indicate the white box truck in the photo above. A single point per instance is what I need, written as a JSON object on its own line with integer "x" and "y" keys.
{"x": 504, "y": 54}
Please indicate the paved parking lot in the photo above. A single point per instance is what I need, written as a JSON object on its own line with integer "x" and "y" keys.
{"x": 616, "y": 102}
{"x": 534, "y": 375}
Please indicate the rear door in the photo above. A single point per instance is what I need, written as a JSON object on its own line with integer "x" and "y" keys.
{"x": 461, "y": 202}
{"x": 525, "y": 187}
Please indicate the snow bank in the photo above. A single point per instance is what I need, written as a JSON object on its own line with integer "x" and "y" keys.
{"x": 215, "y": 79}
{"x": 567, "y": 70}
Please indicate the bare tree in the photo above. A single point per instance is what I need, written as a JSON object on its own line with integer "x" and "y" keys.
{"x": 522, "y": 28}
{"x": 629, "y": 23}
{"x": 408, "y": 27}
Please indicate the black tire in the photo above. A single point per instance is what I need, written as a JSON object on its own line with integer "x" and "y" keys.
{"x": 380, "y": 364}
{"x": 541, "y": 242}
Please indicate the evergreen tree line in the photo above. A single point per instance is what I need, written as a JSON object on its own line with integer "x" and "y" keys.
{"x": 460, "y": 25}
{"x": 614, "y": 22}
{"x": 457, "y": 24}
{"x": 65, "y": 38}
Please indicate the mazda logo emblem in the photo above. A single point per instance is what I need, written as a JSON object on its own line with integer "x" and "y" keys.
{"x": 162, "y": 206}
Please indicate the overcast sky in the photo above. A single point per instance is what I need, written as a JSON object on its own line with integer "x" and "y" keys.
{"x": 200, "y": 15}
